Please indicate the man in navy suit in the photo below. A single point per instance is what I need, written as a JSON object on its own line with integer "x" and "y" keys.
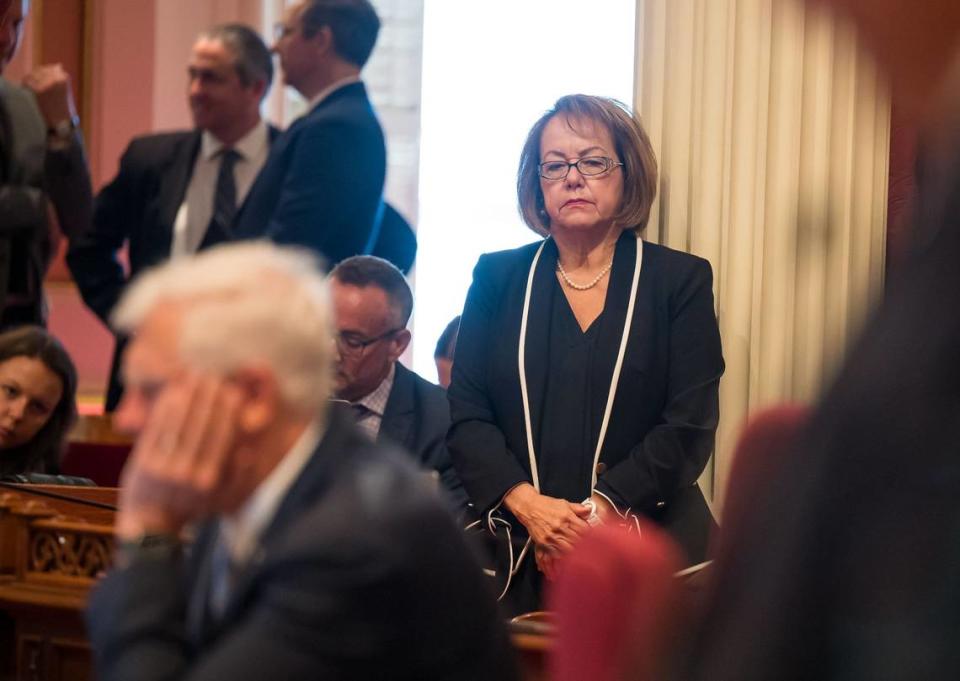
{"x": 318, "y": 553}
{"x": 372, "y": 304}
{"x": 323, "y": 183}
{"x": 162, "y": 203}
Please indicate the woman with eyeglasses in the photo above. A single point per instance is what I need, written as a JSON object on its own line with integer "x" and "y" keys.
{"x": 585, "y": 386}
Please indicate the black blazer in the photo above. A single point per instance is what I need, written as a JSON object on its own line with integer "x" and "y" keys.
{"x": 30, "y": 174}
{"x": 361, "y": 575}
{"x": 417, "y": 417}
{"x": 322, "y": 186}
{"x": 137, "y": 208}
{"x": 665, "y": 413}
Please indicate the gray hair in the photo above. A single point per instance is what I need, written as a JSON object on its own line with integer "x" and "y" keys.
{"x": 252, "y": 54}
{"x": 246, "y": 304}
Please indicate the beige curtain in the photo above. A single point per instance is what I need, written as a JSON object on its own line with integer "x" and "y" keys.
{"x": 772, "y": 130}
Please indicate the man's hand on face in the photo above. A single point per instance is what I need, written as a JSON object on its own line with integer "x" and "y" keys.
{"x": 177, "y": 471}
{"x": 51, "y": 86}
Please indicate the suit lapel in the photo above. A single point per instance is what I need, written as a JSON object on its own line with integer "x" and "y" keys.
{"x": 318, "y": 473}
{"x": 200, "y": 624}
{"x": 538, "y": 334}
{"x": 173, "y": 187}
{"x": 397, "y": 421}
{"x": 274, "y": 134}
{"x": 611, "y": 327}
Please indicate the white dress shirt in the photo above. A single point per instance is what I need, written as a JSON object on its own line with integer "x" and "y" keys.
{"x": 375, "y": 405}
{"x": 195, "y": 212}
{"x": 241, "y": 530}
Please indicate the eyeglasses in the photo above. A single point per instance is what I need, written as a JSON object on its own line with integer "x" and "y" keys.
{"x": 352, "y": 345}
{"x": 588, "y": 166}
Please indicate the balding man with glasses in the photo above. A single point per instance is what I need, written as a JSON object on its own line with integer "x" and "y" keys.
{"x": 372, "y": 304}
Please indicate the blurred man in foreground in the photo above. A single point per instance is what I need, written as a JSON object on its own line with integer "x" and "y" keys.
{"x": 847, "y": 567}
{"x": 318, "y": 553}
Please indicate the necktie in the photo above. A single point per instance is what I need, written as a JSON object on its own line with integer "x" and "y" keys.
{"x": 362, "y": 416}
{"x": 224, "y": 202}
{"x": 223, "y": 572}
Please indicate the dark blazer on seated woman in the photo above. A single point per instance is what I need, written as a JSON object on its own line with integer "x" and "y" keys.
{"x": 665, "y": 412}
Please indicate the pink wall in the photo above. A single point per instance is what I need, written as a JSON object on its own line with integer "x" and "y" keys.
{"x": 122, "y": 76}
{"x": 137, "y": 54}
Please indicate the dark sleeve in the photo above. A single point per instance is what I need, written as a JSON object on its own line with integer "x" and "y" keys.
{"x": 435, "y": 456}
{"x": 68, "y": 185}
{"x": 486, "y": 466}
{"x": 23, "y": 208}
{"x": 673, "y": 454}
{"x": 331, "y": 194}
{"x": 136, "y": 621}
{"x": 93, "y": 254}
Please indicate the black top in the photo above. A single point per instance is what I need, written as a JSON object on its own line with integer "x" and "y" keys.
{"x": 568, "y": 436}
{"x": 664, "y": 416}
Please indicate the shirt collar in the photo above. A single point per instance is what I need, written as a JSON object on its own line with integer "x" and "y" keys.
{"x": 242, "y": 529}
{"x": 247, "y": 146}
{"x": 330, "y": 89}
{"x": 376, "y": 400}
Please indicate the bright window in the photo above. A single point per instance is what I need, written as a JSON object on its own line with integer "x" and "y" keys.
{"x": 490, "y": 69}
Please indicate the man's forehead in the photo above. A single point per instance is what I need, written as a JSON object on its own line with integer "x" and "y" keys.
{"x": 369, "y": 304}
{"x": 211, "y": 50}
{"x": 160, "y": 329}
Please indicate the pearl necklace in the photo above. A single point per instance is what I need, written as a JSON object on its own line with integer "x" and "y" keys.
{"x": 583, "y": 287}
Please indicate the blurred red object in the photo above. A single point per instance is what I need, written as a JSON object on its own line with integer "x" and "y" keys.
{"x": 763, "y": 445}
{"x": 616, "y": 606}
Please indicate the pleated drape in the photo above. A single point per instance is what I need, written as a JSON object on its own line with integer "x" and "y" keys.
{"x": 772, "y": 128}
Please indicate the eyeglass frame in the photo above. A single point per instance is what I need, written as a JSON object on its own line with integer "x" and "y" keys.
{"x": 612, "y": 163}
{"x": 362, "y": 344}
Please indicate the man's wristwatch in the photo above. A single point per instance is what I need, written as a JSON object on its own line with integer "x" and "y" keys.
{"x": 148, "y": 546}
{"x": 64, "y": 130}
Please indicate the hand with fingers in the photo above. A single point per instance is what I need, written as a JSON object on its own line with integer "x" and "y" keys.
{"x": 180, "y": 468}
{"x": 50, "y": 84}
{"x": 553, "y": 524}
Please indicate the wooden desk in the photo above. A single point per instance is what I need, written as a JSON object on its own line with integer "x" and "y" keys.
{"x": 51, "y": 554}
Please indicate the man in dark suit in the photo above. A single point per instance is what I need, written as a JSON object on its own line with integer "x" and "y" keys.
{"x": 372, "y": 304}
{"x": 323, "y": 183}
{"x": 319, "y": 554}
{"x": 41, "y": 159}
{"x": 177, "y": 192}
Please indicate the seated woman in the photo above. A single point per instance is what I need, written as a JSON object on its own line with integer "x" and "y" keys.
{"x": 38, "y": 385}
{"x": 588, "y": 364}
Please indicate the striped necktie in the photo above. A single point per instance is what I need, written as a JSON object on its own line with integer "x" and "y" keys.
{"x": 224, "y": 202}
